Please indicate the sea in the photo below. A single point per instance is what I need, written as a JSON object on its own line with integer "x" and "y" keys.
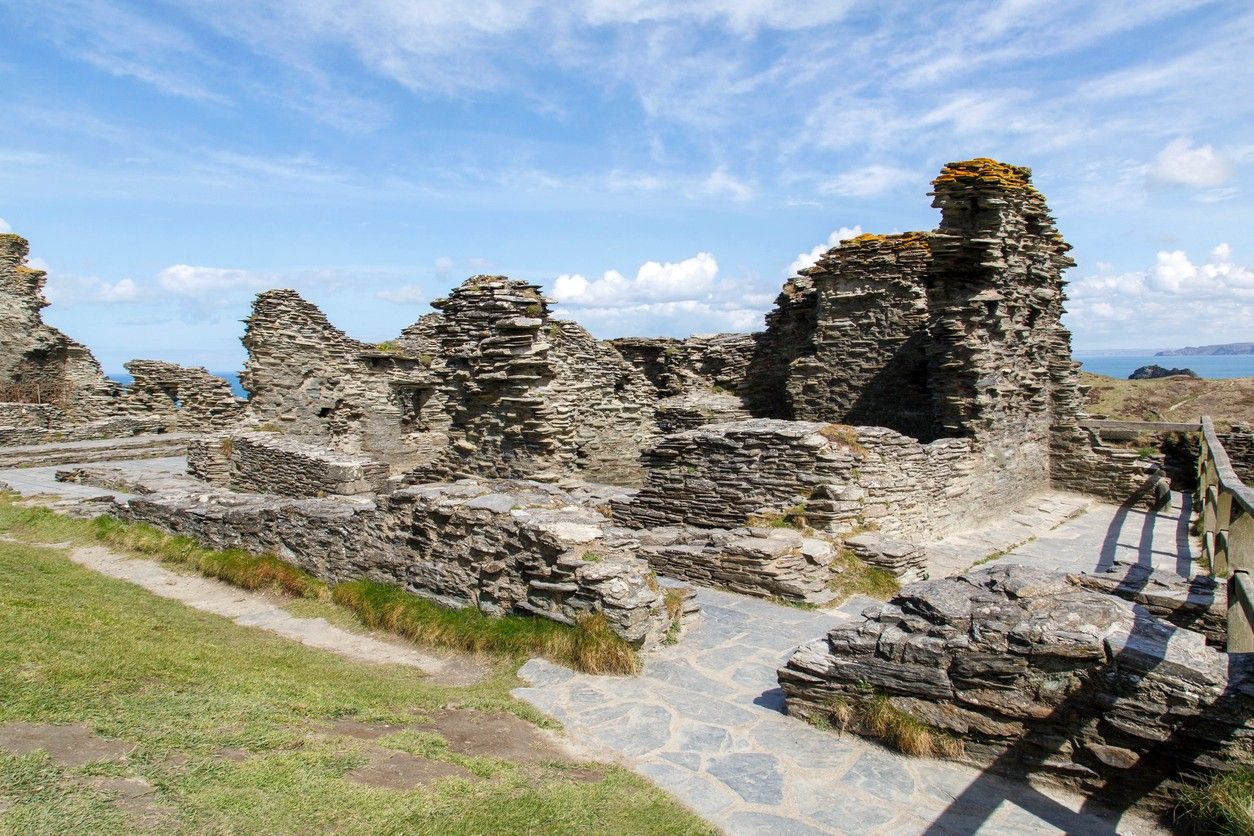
{"x": 1206, "y": 365}
{"x": 230, "y": 377}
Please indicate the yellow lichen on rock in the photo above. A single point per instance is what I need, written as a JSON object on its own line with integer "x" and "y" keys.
{"x": 902, "y": 240}
{"x": 989, "y": 170}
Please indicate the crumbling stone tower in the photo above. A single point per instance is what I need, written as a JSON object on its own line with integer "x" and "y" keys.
{"x": 38, "y": 362}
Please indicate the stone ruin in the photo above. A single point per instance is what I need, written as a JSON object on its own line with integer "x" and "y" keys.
{"x": 494, "y": 456}
{"x": 53, "y": 389}
{"x": 906, "y": 385}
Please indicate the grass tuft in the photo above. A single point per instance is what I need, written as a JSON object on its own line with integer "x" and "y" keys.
{"x": 589, "y": 646}
{"x": 235, "y": 566}
{"x": 1222, "y": 803}
{"x": 851, "y": 576}
{"x": 847, "y": 436}
{"x": 876, "y": 714}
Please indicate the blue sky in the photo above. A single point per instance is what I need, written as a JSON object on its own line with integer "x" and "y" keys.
{"x": 660, "y": 167}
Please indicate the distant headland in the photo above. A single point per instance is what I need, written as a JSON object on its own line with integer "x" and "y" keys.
{"x": 1207, "y": 350}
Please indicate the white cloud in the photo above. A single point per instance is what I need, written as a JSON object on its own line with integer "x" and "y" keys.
{"x": 443, "y": 264}
{"x": 653, "y": 282}
{"x": 65, "y": 290}
{"x": 189, "y": 281}
{"x": 722, "y": 184}
{"x": 869, "y": 181}
{"x": 663, "y": 298}
{"x": 804, "y": 260}
{"x": 1174, "y": 300}
{"x": 1181, "y": 164}
{"x": 409, "y": 294}
{"x": 4, "y": 226}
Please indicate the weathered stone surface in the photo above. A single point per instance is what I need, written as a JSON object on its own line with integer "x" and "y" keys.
{"x": 271, "y": 463}
{"x": 500, "y": 546}
{"x": 490, "y": 386}
{"x": 1038, "y": 672}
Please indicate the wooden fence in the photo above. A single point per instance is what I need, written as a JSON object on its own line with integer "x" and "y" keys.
{"x": 1227, "y": 523}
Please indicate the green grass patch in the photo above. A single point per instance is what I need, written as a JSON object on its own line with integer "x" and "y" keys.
{"x": 589, "y": 646}
{"x": 851, "y": 576}
{"x": 1222, "y": 803}
{"x": 180, "y": 686}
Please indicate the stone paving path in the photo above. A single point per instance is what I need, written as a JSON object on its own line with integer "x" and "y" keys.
{"x": 704, "y": 722}
{"x": 956, "y": 552}
{"x": 1106, "y": 533}
{"x": 29, "y": 481}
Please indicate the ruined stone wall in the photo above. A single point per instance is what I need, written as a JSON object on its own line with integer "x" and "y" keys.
{"x": 270, "y": 463}
{"x": 831, "y": 477}
{"x": 1037, "y": 674}
{"x": 789, "y": 335}
{"x": 499, "y": 546}
{"x": 490, "y": 386}
{"x": 189, "y": 399}
{"x": 38, "y": 363}
{"x": 869, "y": 364}
{"x": 308, "y": 379}
{"x": 704, "y": 361}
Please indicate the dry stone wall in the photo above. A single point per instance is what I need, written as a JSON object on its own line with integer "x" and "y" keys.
{"x": 1037, "y": 674}
{"x": 833, "y": 478}
{"x": 188, "y": 399}
{"x": 500, "y": 546}
{"x": 262, "y": 462}
{"x": 869, "y": 363}
{"x": 490, "y": 386}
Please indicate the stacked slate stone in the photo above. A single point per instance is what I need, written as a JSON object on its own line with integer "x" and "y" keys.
{"x": 488, "y": 387}
{"x": 869, "y": 362}
{"x": 698, "y": 379}
{"x": 38, "y": 363}
{"x": 838, "y": 478}
{"x": 190, "y": 399}
{"x": 1238, "y": 443}
{"x": 1037, "y": 674}
{"x": 499, "y": 546}
{"x": 271, "y": 463}
{"x": 764, "y": 562}
{"x": 789, "y": 335}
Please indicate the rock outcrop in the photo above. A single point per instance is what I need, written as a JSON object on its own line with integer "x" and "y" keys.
{"x": 1155, "y": 371}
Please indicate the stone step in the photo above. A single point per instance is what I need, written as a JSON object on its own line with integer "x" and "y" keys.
{"x": 98, "y": 450}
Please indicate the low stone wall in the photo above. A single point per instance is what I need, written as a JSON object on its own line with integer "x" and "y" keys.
{"x": 1081, "y": 462}
{"x": 1238, "y": 442}
{"x": 121, "y": 426}
{"x": 764, "y": 562}
{"x": 503, "y": 546}
{"x": 1037, "y": 674}
{"x": 833, "y": 478}
{"x": 270, "y": 463}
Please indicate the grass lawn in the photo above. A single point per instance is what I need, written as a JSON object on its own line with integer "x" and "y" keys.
{"x": 231, "y": 727}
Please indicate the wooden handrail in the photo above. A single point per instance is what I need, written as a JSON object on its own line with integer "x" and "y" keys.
{"x": 1227, "y": 506}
